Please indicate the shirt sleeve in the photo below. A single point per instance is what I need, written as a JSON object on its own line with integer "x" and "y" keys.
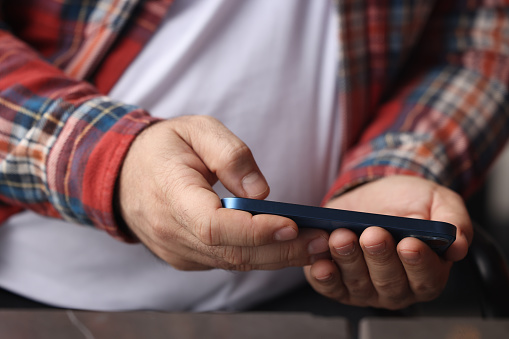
{"x": 61, "y": 142}
{"x": 447, "y": 118}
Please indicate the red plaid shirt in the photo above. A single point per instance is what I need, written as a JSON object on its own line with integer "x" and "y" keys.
{"x": 422, "y": 84}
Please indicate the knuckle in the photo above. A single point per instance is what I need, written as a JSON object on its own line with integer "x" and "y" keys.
{"x": 247, "y": 235}
{"x": 198, "y": 224}
{"x": 205, "y": 235}
{"x": 160, "y": 230}
{"x": 234, "y": 152}
{"x": 239, "y": 257}
{"x": 359, "y": 288}
{"x": 233, "y": 258}
{"x": 385, "y": 286}
{"x": 286, "y": 253}
{"x": 389, "y": 287}
{"x": 427, "y": 292}
{"x": 394, "y": 290}
{"x": 335, "y": 292}
{"x": 207, "y": 230}
{"x": 231, "y": 255}
{"x": 292, "y": 256}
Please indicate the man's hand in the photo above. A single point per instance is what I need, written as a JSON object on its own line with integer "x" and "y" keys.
{"x": 374, "y": 271}
{"x": 166, "y": 198}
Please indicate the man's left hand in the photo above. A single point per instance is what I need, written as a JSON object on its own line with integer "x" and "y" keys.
{"x": 372, "y": 270}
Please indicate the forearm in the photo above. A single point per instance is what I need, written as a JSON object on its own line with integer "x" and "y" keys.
{"x": 448, "y": 118}
{"x": 62, "y": 142}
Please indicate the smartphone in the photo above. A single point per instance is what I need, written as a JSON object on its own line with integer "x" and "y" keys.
{"x": 437, "y": 235}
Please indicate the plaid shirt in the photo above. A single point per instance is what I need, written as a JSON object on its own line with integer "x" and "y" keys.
{"x": 422, "y": 87}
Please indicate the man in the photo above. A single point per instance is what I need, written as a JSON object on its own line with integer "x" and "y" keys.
{"x": 412, "y": 102}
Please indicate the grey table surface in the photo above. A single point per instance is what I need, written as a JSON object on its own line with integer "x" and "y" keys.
{"x": 68, "y": 324}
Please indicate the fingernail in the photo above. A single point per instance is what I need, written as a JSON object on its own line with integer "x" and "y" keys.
{"x": 376, "y": 249}
{"x": 254, "y": 185}
{"x": 345, "y": 250}
{"x": 318, "y": 245}
{"x": 411, "y": 257}
{"x": 285, "y": 233}
{"x": 324, "y": 278}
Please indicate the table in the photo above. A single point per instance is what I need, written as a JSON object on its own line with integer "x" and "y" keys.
{"x": 68, "y": 324}
{"x": 434, "y": 327}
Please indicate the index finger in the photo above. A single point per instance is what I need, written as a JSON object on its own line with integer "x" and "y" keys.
{"x": 214, "y": 225}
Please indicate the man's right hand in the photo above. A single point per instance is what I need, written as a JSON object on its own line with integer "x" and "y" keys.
{"x": 166, "y": 199}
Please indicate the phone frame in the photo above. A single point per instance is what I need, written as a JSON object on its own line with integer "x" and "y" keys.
{"x": 438, "y": 235}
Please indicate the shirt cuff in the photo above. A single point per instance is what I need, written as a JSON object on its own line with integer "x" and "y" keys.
{"x": 88, "y": 160}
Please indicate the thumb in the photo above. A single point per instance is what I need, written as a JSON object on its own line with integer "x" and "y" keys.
{"x": 224, "y": 154}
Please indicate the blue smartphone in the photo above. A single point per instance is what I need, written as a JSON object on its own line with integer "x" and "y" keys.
{"x": 436, "y": 234}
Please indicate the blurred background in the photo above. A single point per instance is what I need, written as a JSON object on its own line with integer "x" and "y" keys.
{"x": 490, "y": 206}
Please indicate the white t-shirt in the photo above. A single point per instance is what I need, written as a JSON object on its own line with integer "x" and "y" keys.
{"x": 267, "y": 70}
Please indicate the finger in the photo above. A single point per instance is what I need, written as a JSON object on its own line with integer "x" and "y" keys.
{"x": 224, "y": 154}
{"x": 188, "y": 253}
{"x": 449, "y": 207}
{"x": 349, "y": 257}
{"x": 386, "y": 271}
{"x": 239, "y": 228}
{"x": 427, "y": 274}
{"x": 326, "y": 279}
{"x": 176, "y": 256}
{"x": 310, "y": 246}
{"x": 201, "y": 213}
